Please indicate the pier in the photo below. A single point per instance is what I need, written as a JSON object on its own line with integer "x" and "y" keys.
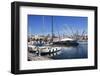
{"x": 31, "y": 57}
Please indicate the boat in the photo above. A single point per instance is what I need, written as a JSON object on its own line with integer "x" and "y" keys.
{"x": 66, "y": 42}
{"x": 43, "y": 49}
{"x": 49, "y": 49}
{"x": 32, "y": 48}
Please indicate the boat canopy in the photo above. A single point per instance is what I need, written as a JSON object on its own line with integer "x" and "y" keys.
{"x": 67, "y": 39}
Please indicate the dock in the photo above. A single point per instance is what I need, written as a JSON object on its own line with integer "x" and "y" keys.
{"x": 32, "y": 57}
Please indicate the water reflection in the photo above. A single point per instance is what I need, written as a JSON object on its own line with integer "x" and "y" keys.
{"x": 73, "y": 52}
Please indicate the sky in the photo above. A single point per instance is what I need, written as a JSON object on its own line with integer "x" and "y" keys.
{"x": 42, "y": 25}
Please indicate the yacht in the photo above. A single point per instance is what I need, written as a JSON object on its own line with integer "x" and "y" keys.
{"x": 66, "y": 42}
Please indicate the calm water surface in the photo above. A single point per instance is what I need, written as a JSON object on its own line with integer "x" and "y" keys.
{"x": 81, "y": 51}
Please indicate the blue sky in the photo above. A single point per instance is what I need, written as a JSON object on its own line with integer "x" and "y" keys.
{"x": 42, "y": 25}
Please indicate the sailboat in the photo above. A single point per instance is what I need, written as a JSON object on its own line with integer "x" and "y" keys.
{"x": 64, "y": 41}
{"x": 48, "y": 48}
{"x": 44, "y": 48}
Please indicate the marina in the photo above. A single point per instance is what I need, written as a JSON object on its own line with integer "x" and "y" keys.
{"x": 57, "y": 44}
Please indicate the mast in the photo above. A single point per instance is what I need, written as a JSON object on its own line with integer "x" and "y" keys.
{"x": 59, "y": 36}
{"x": 52, "y": 29}
{"x": 43, "y": 24}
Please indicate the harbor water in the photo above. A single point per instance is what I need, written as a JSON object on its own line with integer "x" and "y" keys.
{"x": 77, "y": 52}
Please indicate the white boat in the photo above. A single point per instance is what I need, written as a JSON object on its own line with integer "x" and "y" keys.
{"x": 49, "y": 49}
{"x": 32, "y": 48}
{"x": 66, "y": 42}
{"x": 44, "y": 49}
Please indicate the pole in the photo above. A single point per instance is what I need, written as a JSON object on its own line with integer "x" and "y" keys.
{"x": 52, "y": 29}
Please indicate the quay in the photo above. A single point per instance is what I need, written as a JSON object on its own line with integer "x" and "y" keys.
{"x": 31, "y": 57}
